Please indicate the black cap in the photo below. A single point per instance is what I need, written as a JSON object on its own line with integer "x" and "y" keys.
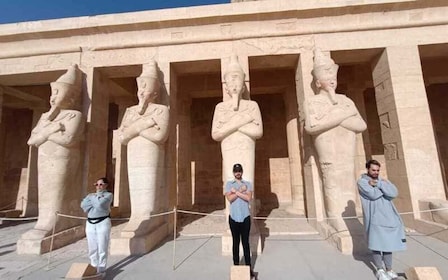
{"x": 237, "y": 167}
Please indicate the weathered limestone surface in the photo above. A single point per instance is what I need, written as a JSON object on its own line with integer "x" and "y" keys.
{"x": 80, "y": 270}
{"x": 237, "y": 125}
{"x": 58, "y": 136}
{"x": 405, "y": 125}
{"x": 144, "y": 130}
{"x": 240, "y": 272}
{"x": 385, "y": 43}
{"x": 333, "y": 119}
{"x": 423, "y": 273}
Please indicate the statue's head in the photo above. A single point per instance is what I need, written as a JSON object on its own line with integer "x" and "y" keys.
{"x": 234, "y": 81}
{"x": 66, "y": 91}
{"x": 148, "y": 85}
{"x": 325, "y": 72}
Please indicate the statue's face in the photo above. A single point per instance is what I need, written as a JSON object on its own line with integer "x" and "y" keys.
{"x": 60, "y": 95}
{"x": 234, "y": 84}
{"x": 147, "y": 90}
{"x": 328, "y": 83}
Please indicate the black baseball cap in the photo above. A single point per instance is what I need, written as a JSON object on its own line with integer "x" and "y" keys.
{"x": 237, "y": 167}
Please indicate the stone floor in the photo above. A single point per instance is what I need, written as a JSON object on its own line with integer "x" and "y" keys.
{"x": 269, "y": 222}
{"x": 304, "y": 257}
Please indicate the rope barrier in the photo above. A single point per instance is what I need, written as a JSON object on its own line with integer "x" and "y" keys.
{"x": 18, "y": 219}
{"x": 175, "y": 211}
{"x": 14, "y": 203}
{"x": 307, "y": 218}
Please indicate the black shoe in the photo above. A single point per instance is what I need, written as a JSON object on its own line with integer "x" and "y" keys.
{"x": 252, "y": 273}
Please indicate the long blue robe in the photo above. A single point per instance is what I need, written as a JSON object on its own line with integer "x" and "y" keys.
{"x": 384, "y": 227}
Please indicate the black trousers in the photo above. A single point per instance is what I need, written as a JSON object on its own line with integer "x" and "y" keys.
{"x": 240, "y": 231}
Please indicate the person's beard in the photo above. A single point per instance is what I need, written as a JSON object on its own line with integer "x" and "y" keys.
{"x": 373, "y": 176}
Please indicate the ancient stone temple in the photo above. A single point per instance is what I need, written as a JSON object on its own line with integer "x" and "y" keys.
{"x": 144, "y": 106}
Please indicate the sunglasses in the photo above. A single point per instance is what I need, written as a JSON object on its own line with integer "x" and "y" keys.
{"x": 100, "y": 184}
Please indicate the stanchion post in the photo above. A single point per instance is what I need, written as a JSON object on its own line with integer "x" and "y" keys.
{"x": 174, "y": 236}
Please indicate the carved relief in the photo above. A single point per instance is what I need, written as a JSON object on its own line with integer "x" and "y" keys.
{"x": 384, "y": 120}
{"x": 391, "y": 151}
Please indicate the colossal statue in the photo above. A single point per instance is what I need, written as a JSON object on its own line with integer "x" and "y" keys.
{"x": 144, "y": 130}
{"x": 57, "y": 135}
{"x": 237, "y": 124}
{"x": 333, "y": 121}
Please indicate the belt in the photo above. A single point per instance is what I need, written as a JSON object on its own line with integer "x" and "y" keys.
{"x": 97, "y": 220}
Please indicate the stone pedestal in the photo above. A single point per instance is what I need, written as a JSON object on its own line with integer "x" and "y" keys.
{"x": 423, "y": 273}
{"x": 41, "y": 246}
{"x": 433, "y": 223}
{"x": 128, "y": 244}
{"x": 240, "y": 272}
{"x": 82, "y": 271}
{"x": 347, "y": 242}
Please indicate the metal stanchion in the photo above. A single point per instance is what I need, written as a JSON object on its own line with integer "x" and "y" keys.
{"x": 174, "y": 236}
{"x": 51, "y": 242}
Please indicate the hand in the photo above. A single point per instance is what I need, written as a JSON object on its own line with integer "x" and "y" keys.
{"x": 233, "y": 190}
{"x": 243, "y": 188}
{"x": 373, "y": 182}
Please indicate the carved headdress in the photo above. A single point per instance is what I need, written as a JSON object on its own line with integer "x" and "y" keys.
{"x": 150, "y": 75}
{"x": 72, "y": 78}
{"x": 323, "y": 65}
{"x": 234, "y": 66}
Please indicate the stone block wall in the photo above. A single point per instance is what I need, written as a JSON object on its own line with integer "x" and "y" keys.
{"x": 206, "y": 160}
{"x": 272, "y": 174}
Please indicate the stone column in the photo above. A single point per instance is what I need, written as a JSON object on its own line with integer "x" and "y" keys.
{"x": 169, "y": 85}
{"x": 184, "y": 191}
{"x": 172, "y": 145}
{"x": 29, "y": 189}
{"x": 2, "y": 141}
{"x": 295, "y": 162}
{"x": 355, "y": 92}
{"x": 121, "y": 184}
{"x": 96, "y": 107}
{"x": 408, "y": 137}
{"x": 313, "y": 192}
{"x": 1, "y": 103}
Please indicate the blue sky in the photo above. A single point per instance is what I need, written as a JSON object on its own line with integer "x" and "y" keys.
{"x": 26, "y": 10}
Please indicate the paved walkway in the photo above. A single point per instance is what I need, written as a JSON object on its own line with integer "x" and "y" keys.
{"x": 284, "y": 257}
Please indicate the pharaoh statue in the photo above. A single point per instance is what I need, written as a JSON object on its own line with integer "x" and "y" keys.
{"x": 144, "y": 129}
{"x": 237, "y": 124}
{"x": 333, "y": 121}
{"x": 57, "y": 136}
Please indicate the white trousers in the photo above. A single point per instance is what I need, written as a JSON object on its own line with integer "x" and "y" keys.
{"x": 98, "y": 236}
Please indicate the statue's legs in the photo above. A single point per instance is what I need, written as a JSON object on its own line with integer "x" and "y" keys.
{"x": 55, "y": 175}
{"x": 145, "y": 169}
{"x": 339, "y": 192}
